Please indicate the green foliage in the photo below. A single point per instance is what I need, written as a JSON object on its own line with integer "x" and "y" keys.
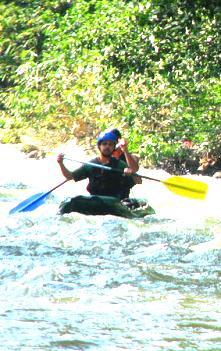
{"x": 151, "y": 68}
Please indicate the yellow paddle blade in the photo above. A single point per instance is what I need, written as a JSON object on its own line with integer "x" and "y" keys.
{"x": 191, "y": 188}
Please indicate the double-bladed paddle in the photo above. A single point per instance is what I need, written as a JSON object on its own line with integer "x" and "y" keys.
{"x": 190, "y": 188}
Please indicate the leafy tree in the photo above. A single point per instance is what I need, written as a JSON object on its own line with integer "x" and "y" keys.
{"x": 150, "y": 67}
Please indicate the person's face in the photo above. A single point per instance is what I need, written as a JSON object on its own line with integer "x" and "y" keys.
{"x": 107, "y": 147}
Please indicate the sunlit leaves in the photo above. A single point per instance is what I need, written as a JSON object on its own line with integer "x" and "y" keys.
{"x": 151, "y": 68}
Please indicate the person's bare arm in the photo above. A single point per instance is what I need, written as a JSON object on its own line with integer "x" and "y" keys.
{"x": 132, "y": 160}
{"x": 66, "y": 173}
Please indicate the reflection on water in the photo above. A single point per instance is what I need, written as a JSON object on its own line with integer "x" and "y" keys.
{"x": 78, "y": 282}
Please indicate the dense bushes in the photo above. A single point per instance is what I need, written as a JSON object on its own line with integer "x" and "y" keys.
{"x": 150, "y": 68}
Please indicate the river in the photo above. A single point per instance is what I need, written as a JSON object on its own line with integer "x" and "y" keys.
{"x": 77, "y": 282}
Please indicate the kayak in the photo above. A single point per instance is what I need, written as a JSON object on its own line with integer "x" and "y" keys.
{"x": 106, "y": 205}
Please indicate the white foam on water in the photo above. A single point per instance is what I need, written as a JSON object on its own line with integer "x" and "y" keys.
{"x": 166, "y": 202}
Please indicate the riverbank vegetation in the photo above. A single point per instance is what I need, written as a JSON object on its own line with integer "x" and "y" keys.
{"x": 151, "y": 68}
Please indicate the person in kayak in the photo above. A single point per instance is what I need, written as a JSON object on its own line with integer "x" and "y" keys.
{"x": 121, "y": 151}
{"x": 103, "y": 182}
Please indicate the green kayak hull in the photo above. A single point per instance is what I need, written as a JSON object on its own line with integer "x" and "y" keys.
{"x": 106, "y": 205}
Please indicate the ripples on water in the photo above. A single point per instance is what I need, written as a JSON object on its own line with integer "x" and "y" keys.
{"x": 78, "y": 282}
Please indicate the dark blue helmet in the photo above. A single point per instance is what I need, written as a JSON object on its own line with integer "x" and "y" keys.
{"x": 103, "y": 136}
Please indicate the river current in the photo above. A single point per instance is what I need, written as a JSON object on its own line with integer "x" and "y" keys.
{"x": 105, "y": 283}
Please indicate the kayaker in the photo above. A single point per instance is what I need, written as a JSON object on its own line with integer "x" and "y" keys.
{"x": 121, "y": 152}
{"x": 103, "y": 182}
